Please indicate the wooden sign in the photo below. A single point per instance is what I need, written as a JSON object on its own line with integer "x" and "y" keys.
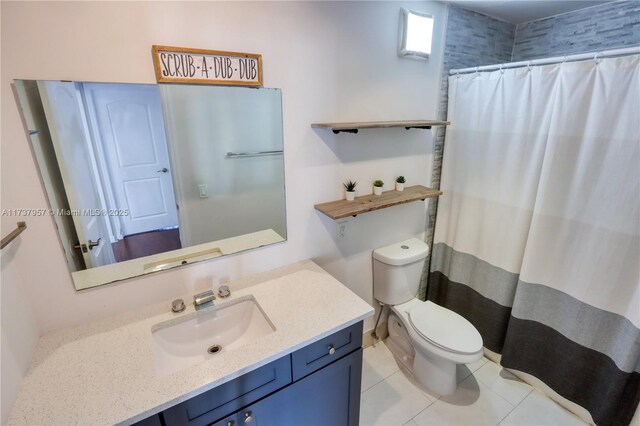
{"x": 184, "y": 65}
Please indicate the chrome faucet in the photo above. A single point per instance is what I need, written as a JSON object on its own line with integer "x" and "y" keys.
{"x": 204, "y": 299}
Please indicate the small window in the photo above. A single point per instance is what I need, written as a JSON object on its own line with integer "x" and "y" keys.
{"x": 415, "y": 35}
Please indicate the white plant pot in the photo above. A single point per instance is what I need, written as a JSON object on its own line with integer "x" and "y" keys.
{"x": 350, "y": 195}
{"x": 377, "y": 190}
{"x": 399, "y": 186}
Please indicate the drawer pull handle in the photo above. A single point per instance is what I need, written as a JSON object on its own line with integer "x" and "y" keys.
{"x": 231, "y": 423}
{"x": 332, "y": 350}
{"x": 247, "y": 417}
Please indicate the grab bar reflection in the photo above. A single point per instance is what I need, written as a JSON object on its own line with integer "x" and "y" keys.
{"x": 13, "y": 234}
{"x": 253, "y": 153}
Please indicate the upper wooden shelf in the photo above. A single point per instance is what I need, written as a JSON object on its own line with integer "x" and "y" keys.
{"x": 355, "y": 126}
{"x": 368, "y": 203}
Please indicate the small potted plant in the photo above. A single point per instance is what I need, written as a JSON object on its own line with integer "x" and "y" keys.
{"x": 377, "y": 187}
{"x": 350, "y": 190}
{"x": 400, "y": 183}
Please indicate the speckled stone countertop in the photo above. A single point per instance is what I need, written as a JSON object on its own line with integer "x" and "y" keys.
{"x": 104, "y": 372}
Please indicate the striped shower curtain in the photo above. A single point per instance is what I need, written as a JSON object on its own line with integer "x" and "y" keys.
{"x": 537, "y": 237}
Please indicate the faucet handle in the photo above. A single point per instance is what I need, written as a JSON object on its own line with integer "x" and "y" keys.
{"x": 178, "y": 305}
{"x": 224, "y": 291}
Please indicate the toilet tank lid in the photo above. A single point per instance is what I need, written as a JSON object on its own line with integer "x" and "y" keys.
{"x": 402, "y": 253}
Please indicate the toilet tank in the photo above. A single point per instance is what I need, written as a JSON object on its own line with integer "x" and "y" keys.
{"x": 397, "y": 269}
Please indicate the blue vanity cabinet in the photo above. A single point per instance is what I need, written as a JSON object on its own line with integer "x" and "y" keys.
{"x": 315, "y": 385}
{"x": 328, "y": 397}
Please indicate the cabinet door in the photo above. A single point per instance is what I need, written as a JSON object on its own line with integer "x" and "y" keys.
{"x": 330, "y": 396}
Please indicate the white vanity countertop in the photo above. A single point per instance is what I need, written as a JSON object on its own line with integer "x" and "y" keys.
{"x": 104, "y": 372}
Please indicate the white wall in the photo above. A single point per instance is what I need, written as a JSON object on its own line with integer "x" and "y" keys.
{"x": 335, "y": 61}
{"x": 19, "y": 329}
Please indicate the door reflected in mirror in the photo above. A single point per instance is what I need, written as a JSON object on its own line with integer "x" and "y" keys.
{"x": 142, "y": 178}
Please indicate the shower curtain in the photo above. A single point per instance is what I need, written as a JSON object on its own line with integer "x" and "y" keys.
{"x": 537, "y": 237}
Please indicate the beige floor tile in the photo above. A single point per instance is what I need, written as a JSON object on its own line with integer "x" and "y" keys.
{"x": 473, "y": 366}
{"x": 473, "y": 403}
{"x": 536, "y": 409}
{"x": 393, "y": 401}
{"x": 465, "y": 370}
{"x": 377, "y": 364}
{"x": 486, "y": 396}
{"x": 503, "y": 382}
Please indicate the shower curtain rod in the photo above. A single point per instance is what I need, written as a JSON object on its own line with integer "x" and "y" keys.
{"x": 554, "y": 60}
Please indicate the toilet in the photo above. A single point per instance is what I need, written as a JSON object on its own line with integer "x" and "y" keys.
{"x": 425, "y": 338}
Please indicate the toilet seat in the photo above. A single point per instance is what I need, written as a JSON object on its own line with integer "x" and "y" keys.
{"x": 444, "y": 328}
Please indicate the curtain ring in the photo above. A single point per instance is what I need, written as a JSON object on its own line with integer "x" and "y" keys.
{"x": 596, "y": 58}
{"x": 529, "y": 66}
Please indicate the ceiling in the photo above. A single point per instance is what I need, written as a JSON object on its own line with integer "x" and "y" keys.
{"x": 519, "y": 11}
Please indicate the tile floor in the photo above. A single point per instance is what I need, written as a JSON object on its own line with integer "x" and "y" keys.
{"x": 486, "y": 395}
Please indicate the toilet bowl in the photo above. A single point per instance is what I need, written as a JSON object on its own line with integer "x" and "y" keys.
{"x": 427, "y": 339}
{"x": 448, "y": 340}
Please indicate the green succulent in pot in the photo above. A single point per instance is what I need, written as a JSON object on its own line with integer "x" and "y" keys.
{"x": 377, "y": 186}
{"x": 350, "y": 190}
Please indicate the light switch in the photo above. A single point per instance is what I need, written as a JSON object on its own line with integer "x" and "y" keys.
{"x": 202, "y": 188}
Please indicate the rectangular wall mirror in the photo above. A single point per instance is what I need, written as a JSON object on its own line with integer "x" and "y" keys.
{"x": 141, "y": 177}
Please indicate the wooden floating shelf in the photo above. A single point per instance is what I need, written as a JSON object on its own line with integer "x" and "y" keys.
{"x": 368, "y": 203}
{"x": 355, "y": 126}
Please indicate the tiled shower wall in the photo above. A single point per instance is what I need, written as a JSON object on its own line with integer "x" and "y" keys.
{"x": 609, "y": 26}
{"x": 473, "y": 39}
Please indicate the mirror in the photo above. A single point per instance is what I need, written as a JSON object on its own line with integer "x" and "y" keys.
{"x": 142, "y": 178}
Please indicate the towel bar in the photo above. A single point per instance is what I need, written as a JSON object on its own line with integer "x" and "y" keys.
{"x": 13, "y": 234}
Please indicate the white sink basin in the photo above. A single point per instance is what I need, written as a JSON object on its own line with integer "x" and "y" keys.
{"x": 190, "y": 340}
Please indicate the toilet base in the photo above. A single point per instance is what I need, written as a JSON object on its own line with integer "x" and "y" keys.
{"x": 433, "y": 372}
{"x": 437, "y": 374}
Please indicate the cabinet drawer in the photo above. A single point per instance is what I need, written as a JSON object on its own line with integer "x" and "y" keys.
{"x": 317, "y": 355}
{"x": 223, "y": 400}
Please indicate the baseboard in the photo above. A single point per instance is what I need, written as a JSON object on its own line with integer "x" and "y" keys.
{"x": 367, "y": 338}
